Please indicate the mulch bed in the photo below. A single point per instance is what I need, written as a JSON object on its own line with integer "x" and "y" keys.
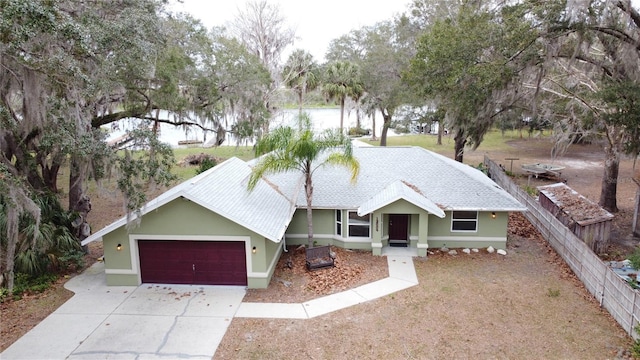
{"x": 293, "y": 283}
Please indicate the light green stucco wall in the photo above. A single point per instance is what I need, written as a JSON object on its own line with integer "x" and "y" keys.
{"x": 425, "y": 230}
{"x": 182, "y": 217}
{"x": 491, "y": 232}
{"x": 324, "y": 230}
{"x": 323, "y": 222}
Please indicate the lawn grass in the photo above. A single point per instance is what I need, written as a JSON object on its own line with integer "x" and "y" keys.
{"x": 494, "y": 140}
{"x": 221, "y": 152}
{"x": 224, "y": 152}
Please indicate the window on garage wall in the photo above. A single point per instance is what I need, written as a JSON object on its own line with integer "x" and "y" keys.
{"x": 339, "y": 222}
{"x": 359, "y": 226}
{"x": 464, "y": 221}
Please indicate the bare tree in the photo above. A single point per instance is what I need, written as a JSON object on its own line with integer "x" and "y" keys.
{"x": 263, "y": 30}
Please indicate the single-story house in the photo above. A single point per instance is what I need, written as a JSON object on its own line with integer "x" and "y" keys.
{"x": 212, "y": 230}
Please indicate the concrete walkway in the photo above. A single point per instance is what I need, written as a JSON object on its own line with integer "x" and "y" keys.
{"x": 402, "y": 275}
{"x": 173, "y": 321}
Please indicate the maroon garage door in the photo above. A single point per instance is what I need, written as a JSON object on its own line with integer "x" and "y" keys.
{"x": 193, "y": 262}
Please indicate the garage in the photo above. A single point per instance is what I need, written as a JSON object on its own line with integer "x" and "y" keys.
{"x": 193, "y": 262}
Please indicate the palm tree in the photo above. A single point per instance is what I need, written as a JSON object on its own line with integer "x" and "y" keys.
{"x": 300, "y": 74}
{"x": 289, "y": 150}
{"x": 342, "y": 80}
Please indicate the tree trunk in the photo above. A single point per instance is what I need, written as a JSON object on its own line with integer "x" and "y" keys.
{"x": 300, "y": 104}
{"x": 460, "y": 142}
{"x": 440, "y": 132}
{"x": 386, "y": 118}
{"x": 78, "y": 201}
{"x": 373, "y": 120}
{"x": 49, "y": 172}
{"x": 12, "y": 232}
{"x": 610, "y": 179}
{"x": 156, "y": 123}
{"x": 636, "y": 212}
{"x": 75, "y": 183}
{"x": 24, "y": 163}
{"x": 341, "y": 114}
{"x": 308, "y": 188}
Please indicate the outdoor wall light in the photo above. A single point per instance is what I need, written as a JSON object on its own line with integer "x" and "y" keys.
{"x": 119, "y": 247}
{"x": 254, "y": 250}
{"x": 493, "y": 215}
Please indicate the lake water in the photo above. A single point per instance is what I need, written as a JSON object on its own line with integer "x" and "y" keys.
{"x": 321, "y": 119}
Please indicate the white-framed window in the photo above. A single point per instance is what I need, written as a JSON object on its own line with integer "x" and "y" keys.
{"x": 359, "y": 226}
{"x": 339, "y": 222}
{"x": 464, "y": 221}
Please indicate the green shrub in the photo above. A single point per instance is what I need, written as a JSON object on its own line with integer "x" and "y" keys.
{"x": 553, "y": 292}
{"x": 635, "y": 348}
{"x": 71, "y": 260}
{"x": 24, "y": 283}
{"x": 354, "y": 131}
{"x": 206, "y": 164}
{"x": 634, "y": 259}
{"x": 483, "y": 168}
{"x": 531, "y": 190}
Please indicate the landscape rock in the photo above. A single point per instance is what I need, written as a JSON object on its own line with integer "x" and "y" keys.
{"x": 285, "y": 282}
{"x": 452, "y": 252}
{"x": 491, "y": 250}
{"x": 466, "y": 251}
{"x": 444, "y": 249}
{"x": 502, "y": 252}
{"x": 475, "y": 250}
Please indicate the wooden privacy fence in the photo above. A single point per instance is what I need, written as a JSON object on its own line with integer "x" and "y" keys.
{"x": 613, "y": 293}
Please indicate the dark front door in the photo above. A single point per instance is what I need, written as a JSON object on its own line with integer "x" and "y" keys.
{"x": 193, "y": 262}
{"x": 398, "y": 229}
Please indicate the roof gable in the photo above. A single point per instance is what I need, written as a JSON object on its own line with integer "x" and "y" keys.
{"x": 399, "y": 190}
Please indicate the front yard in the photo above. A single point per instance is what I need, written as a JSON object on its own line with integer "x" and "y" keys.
{"x": 523, "y": 305}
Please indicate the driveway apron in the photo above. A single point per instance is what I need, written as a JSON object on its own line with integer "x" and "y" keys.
{"x": 126, "y": 322}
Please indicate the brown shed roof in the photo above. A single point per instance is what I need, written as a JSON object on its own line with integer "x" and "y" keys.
{"x": 582, "y": 210}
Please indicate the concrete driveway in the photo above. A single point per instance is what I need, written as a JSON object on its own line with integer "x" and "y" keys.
{"x": 128, "y": 322}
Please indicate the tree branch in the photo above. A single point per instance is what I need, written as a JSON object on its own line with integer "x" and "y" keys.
{"x": 626, "y": 7}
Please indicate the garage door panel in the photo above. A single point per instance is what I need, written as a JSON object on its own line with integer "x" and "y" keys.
{"x": 193, "y": 262}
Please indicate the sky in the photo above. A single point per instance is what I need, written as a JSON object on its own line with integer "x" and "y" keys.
{"x": 316, "y": 22}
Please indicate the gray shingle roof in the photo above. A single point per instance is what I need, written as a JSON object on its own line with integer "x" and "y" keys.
{"x": 223, "y": 190}
{"x": 424, "y": 178}
{"x": 445, "y": 182}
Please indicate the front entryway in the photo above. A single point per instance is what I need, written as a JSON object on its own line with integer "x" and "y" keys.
{"x": 398, "y": 230}
{"x": 193, "y": 262}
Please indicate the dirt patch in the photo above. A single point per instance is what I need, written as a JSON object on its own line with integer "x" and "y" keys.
{"x": 20, "y": 316}
{"x": 527, "y": 304}
{"x": 584, "y": 164}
